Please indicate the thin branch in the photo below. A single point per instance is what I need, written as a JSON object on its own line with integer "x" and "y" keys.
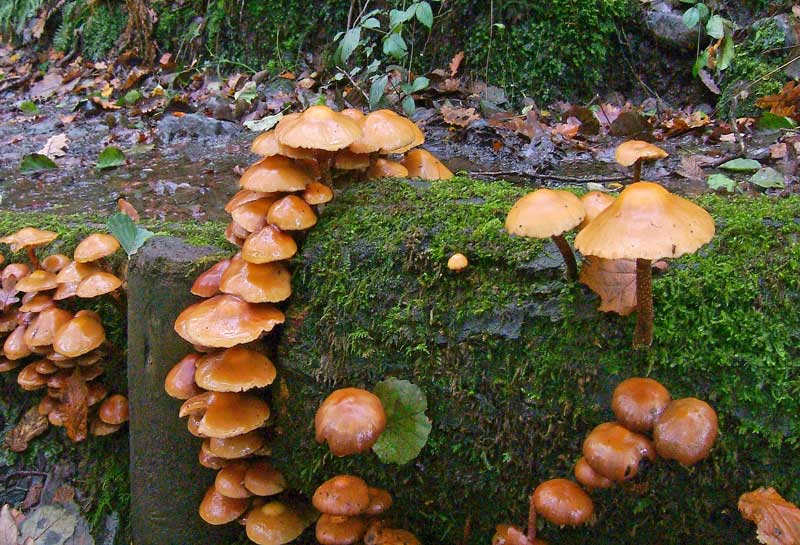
{"x": 554, "y": 177}
{"x": 352, "y": 81}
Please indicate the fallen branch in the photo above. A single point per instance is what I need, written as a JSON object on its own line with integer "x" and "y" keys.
{"x": 554, "y": 177}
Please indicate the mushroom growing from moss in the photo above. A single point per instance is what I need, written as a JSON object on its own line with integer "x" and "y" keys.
{"x": 547, "y": 213}
{"x": 28, "y": 239}
{"x": 343, "y": 495}
{"x": 563, "y": 503}
{"x": 588, "y": 477}
{"x": 634, "y": 152}
{"x": 350, "y": 420}
{"x": 638, "y": 403}
{"x": 646, "y": 223}
{"x": 423, "y": 164}
{"x": 275, "y": 523}
{"x": 615, "y": 452}
{"x": 457, "y": 262}
{"x": 686, "y": 431}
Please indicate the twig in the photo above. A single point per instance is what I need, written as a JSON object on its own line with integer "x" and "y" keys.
{"x": 556, "y": 178}
{"x": 356, "y": 85}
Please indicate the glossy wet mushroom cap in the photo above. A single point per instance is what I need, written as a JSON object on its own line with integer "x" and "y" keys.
{"x": 423, "y": 164}
{"x": 379, "y": 534}
{"x": 207, "y": 284}
{"x": 15, "y": 347}
{"x": 380, "y": 500}
{"x": 615, "y": 452}
{"x": 267, "y": 245}
{"x": 55, "y": 262}
{"x": 43, "y": 330}
{"x": 239, "y": 446}
{"x": 256, "y": 283}
{"x": 96, "y": 284}
{"x": 588, "y": 477}
{"x": 274, "y": 174}
{"x": 40, "y": 280}
{"x": 347, "y": 160}
{"x": 245, "y": 196}
{"x": 236, "y": 369}
{"x": 226, "y": 414}
{"x": 383, "y": 168}
{"x": 350, "y": 420}
{"x": 79, "y": 336}
{"x": 343, "y": 495}
{"x": 594, "y": 202}
{"x": 545, "y": 213}
{"x": 318, "y": 127}
{"x": 686, "y": 431}
{"x": 317, "y": 193}
{"x": 114, "y": 410}
{"x": 180, "y": 382}
{"x": 563, "y": 503}
{"x": 29, "y": 237}
{"x": 387, "y": 132}
{"x": 638, "y": 402}
{"x": 230, "y": 481}
{"x": 506, "y": 534}
{"x": 337, "y": 530}
{"x": 274, "y": 523}
{"x": 264, "y": 480}
{"x": 457, "y": 262}
{"x": 95, "y": 246}
{"x": 631, "y": 151}
{"x": 217, "y": 509}
{"x": 291, "y": 213}
{"x": 74, "y": 272}
{"x": 38, "y": 303}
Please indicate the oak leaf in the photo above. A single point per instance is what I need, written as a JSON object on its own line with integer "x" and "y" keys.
{"x": 75, "y": 406}
{"x": 55, "y": 146}
{"x": 455, "y": 63}
{"x": 778, "y": 520}
{"x": 460, "y": 117}
{"x": 614, "y": 280}
{"x": 29, "y": 427}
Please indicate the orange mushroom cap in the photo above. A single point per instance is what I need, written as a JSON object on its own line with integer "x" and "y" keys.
{"x": 350, "y": 420}
{"x": 264, "y": 480}
{"x": 75, "y": 272}
{"x": 317, "y": 193}
{"x": 226, "y": 414}
{"x": 79, "y": 336}
{"x": 383, "y": 168}
{"x": 615, "y": 452}
{"x": 29, "y": 237}
{"x": 274, "y": 523}
{"x": 256, "y": 283}
{"x": 230, "y": 481}
{"x": 40, "y": 280}
{"x": 544, "y": 213}
{"x": 378, "y": 534}
{"x": 180, "y": 382}
{"x": 38, "y": 303}
{"x": 268, "y": 244}
{"x": 563, "y": 503}
{"x": 594, "y": 202}
{"x": 423, "y": 164}
{"x": 114, "y": 410}
{"x": 631, "y": 151}
{"x": 43, "y": 330}
{"x": 99, "y": 428}
{"x": 54, "y": 263}
{"x": 387, "y": 132}
{"x": 236, "y": 369}
{"x": 207, "y": 284}
{"x": 267, "y": 144}
{"x": 217, "y": 509}
{"x": 97, "y": 284}
{"x": 95, "y": 246}
{"x": 686, "y": 431}
{"x": 318, "y": 127}
{"x": 646, "y": 222}
{"x": 65, "y": 291}
{"x": 17, "y": 270}
{"x": 638, "y": 403}
{"x": 29, "y": 380}
{"x": 588, "y": 477}
{"x": 336, "y": 530}
{"x": 273, "y": 174}
{"x": 239, "y": 446}
{"x": 291, "y": 213}
{"x": 252, "y": 216}
{"x": 379, "y": 501}
{"x": 245, "y": 196}
{"x": 344, "y": 495}
{"x": 457, "y": 262}
{"x": 347, "y": 160}
{"x": 225, "y": 321}
{"x": 15, "y": 347}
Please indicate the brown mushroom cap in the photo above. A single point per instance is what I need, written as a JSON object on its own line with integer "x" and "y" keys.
{"x": 75, "y": 272}
{"x": 347, "y": 160}
{"x": 206, "y": 459}
{"x": 37, "y": 303}
{"x": 273, "y": 174}
{"x": 686, "y": 431}
{"x": 544, "y": 213}
{"x": 336, "y": 530}
{"x": 217, "y": 509}
{"x": 594, "y": 202}
{"x": 264, "y": 480}
{"x": 423, "y": 164}
{"x": 17, "y": 270}
{"x": 54, "y": 262}
{"x": 225, "y": 321}
{"x": 29, "y": 237}
{"x": 239, "y": 446}
{"x": 457, "y": 262}
{"x": 65, "y": 291}
{"x": 234, "y": 370}
{"x": 114, "y": 410}
{"x": 638, "y": 402}
{"x": 506, "y": 534}
{"x": 95, "y": 246}
{"x": 631, "y": 151}
{"x": 291, "y": 213}
{"x": 43, "y": 330}
{"x": 378, "y": 534}
{"x": 230, "y": 481}
{"x": 318, "y": 127}
{"x": 252, "y": 216}
{"x": 317, "y": 193}
{"x": 256, "y": 283}
{"x": 380, "y": 500}
{"x": 615, "y": 452}
{"x": 226, "y": 414}
{"x": 180, "y": 382}
{"x": 355, "y": 114}
{"x": 563, "y": 502}
{"x": 646, "y": 222}
{"x": 99, "y": 428}
{"x": 387, "y": 132}
{"x": 207, "y": 284}
{"x": 40, "y": 280}
{"x": 344, "y": 495}
{"x": 97, "y": 284}
{"x": 588, "y": 477}
{"x": 15, "y": 347}
{"x": 29, "y": 380}
{"x": 266, "y": 145}
{"x": 274, "y": 523}
{"x": 245, "y": 196}
{"x": 383, "y": 168}
{"x": 350, "y": 420}
{"x": 268, "y": 244}
{"x": 79, "y": 336}
{"x": 96, "y": 392}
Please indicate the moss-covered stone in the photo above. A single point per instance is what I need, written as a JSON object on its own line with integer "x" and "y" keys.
{"x": 518, "y": 366}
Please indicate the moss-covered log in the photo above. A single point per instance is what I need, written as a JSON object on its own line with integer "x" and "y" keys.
{"x": 518, "y": 365}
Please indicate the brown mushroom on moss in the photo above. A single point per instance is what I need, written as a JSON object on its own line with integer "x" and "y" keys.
{"x": 507, "y": 534}
{"x": 634, "y": 152}
{"x": 350, "y": 420}
{"x": 588, "y": 477}
{"x": 28, "y": 239}
{"x": 563, "y": 503}
{"x": 615, "y": 452}
{"x": 217, "y": 509}
{"x": 338, "y": 530}
{"x": 457, "y": 262}
{"x": 646, "y": 223}
{"x": 423, "y": 164}
{"x": 638, "y": 403}
{"x": 547, "y": 213}
{"x": 226, "y": 414}
{"x": 686, "y": 431}
{"x": 275, "y": 523}
{"x": 343, "y": 495}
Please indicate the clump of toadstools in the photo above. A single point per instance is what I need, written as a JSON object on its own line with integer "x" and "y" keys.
{"x": 59, "y": 351}
{"x": 683, "y": 430}
{"x": 220, "y": 381}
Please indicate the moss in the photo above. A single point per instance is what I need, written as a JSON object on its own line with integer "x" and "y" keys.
{"x": 102, "y": 29}
{"x": 518, "y": 366}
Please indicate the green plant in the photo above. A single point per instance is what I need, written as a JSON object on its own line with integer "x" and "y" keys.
{"x": 721, "y": 52}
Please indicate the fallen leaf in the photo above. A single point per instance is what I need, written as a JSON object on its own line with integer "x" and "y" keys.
{"x": 569, "y": 129}
{"x": 614, "y": 280}
{"x": 55, "y": 146}
{"x": 455, "y": 63}
{"x": 8, "y": 527}
{"x": 67, "y": 119}
{"x": 460, "y": 117}
{"x": 778, "y": 520}
{"x": 105, "y": 104}
{"x": 691, "y": 168}
{"x": 287, "y": 75}
{"x": 127, "y": 208}
{"x": 75, "y": 405}
{"x": 8, "y": 292}
{"x": 46, "y": 86}
{"x": 29, "y": 427}
{"x": 708, "y": 81}
{"x": 778, "y": 151}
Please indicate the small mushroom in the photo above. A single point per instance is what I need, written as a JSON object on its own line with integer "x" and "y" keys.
{"x": 274, "y": 174}
{"x": 43, "y": 330}
{"x": 96, "y": 284}
{"x": 55, "y": 262}
{"x": 594, "y": 202}
{"x": 338, "y": 530}
{"x": 506, "y": 534}
{"x": 230, "y": 481}
{"x": 94, "y": 247}
{"x": 27, "y": 239}
{"x": 343, "y": 495}
{"x": 633, "y": 152}
{"x": 39, "y": 280}
{"x": 423, "y": 164}
{"x": 226, "y": 414}
{"x": 217, "y": 509}
{"x": 236, "y": 369}
{"x": 317, "y": 193}
{"x": 267, "y": 245}
{"x": 563, "y": 503}
{"x": 383, "y": 168}
{"x": 256, "y": 282}
{"x": 385, "y": 132}
{"x": 457, "y": 262}
{"x": 252, "y": 215}
{"x": 79, "y": 336}
{"x": 686, "y": 431}
{"x": 238, "y": 446}
{"x": 588, "y": 477}
{"x": 379, "y": 534}
{"x": 291, "y": 213}
{"x": 379, "y": 501}
{"x": 638, "y": 403}
{"x": 274, "y": 523}
{"x": 180, "y": 382}
{"x": 114, "y": 410}
{"x": 264, "y": 480}
{"x": 350, "y": 420}
{"x": 616, "y": 452}
{"x": 207, "y": 284}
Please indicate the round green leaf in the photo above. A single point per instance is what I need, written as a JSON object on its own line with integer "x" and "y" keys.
{"x": 720, "y": 181}
{"x": 110, "y": 157}
{"x": 741, "y": 165}
{"x": 768, "y": 178}
{"x": 36, "y": 162}
{"x": 407, "y": 427}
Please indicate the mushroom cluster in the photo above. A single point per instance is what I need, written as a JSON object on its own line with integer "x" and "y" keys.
{"x": 58, "y": 350}
{"x": 684, "y": 430}
{"x": 644, "y": 224}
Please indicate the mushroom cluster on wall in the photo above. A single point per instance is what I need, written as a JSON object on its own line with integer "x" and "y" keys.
{"x": 62, "y": 352}
{"x": 219, "y": 382}
{"x": 684, "y": 430}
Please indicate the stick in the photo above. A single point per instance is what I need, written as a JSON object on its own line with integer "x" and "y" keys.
{"x": 537, "y": 176}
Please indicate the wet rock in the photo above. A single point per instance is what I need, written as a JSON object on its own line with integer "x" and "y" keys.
{"x": 195, "y": 126}
{"x": 666, "y": 26}
{"x": 548, "y": 262}
{"x": 507, "y": 322}
{"x": 791, "y": 35}
{"x": 540, "y": 151}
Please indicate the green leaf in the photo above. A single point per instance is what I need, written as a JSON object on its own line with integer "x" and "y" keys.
{"x": 700, "y": 63}
{"x": 36, "y": 162}
{"x": 110, "y": 157}
{"x": 703, "y": 10}
{"x": 425, "y": 14}
{"x": 407, "y": 427}
{"x": 715, "y": 27}
{"x": 419, "y": 84}
{"x": 130, "y": 236}
{"x": 247, "y": 93}
{"x": 720, "y": 181}
{"x": 691, "y": 17}
{"x": 371, "y": 23}
{"x": 395, "y": 46}
{"x": 130, "y": 98}
{"x": 397, "y": 17}
{"x": 377, "y": 90}
{"x": 263, "y": 124}
{"x": 409, "y": 106}
{"x": 727, "y": 53}
{"x": 768, "y": 178}
{"x": 29, "y": 108}
{"x": 741, "y": 165}
{"x": 349, "y": 43}
{"x": 772, "y": 122}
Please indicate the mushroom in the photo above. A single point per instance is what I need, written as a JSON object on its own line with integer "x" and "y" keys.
{"x": 96, "y": 284}
{"x": 245, "y": 196}
{"x": 114, "y": 410}
{"x": 95, "y": 247}
{"x": 422, "y": 164}
{"x": 562, "y": 502}
{"x": 686, "y": 431}
{"x": 317, "y": 193}
{"x": 379, "y": 501}
{"x": 506, "y": 534}
{"x": 15, "y": 347}
{"x": 274, "y": 523}
{"x": 457, "y": 262}
{"x": 338, "y": 530}
{"x": 547, "y": 213}
{"x": 378, "y": 534}
{"x": 217, "y": 509}
{"x": 226, "y": 414}
{"x": 55, "y": 262}
{"x": 291, "y": 213}
{"x": 256, "y": 283}
{"x": 43, "y": 329}
{"x": 638, "y": 403}
{"x": 588, "y": 477}
{"x": 238, "y": 446}
{"x": 28, "y": 239}
{"x": 180, "y": 382}
{"x": 274, "y": 174}
{"x": 236, "y": 369}
{"x": 347, "y": 160}
{"x": 616, "y": 452}
{"x": 230, "y": 481}
{"x": 79, "y": 336}
{"x": 264, "y": 480}
{"x": 268, "y": 244}
{"x": 39, "y": 280}
{"x": 350, "y": 420}
{"x": 594, "y": 202}
{"x": 343, "y": 495}
{"x": 646, "y": 223}
{"x": 207, "y": 284}
{"x": 633, "y": 152}
{"x": 252, "y": 216}
{"x": 386, "y": 132}
{"x": 383, "y": 168}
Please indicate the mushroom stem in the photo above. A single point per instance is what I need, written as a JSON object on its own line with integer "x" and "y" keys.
{"x": 643, "y": 334}
{"x": 569, "y": 256}
{"x": 637, "y": 170}
{"x": 531, "y": 533}
{"x": 32, "y": 257}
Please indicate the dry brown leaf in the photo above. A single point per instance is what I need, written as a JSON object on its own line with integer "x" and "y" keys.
{"x": 8, "y": 292}
{"x": 29, "y": 427}
{"x": 778, "y": 151}
{"x": 8, "y": 527}
{"x": 127, "y": 208}
{"x": 455, "y": 63}
{"x": 67, "y": 119}
{"x": 76, "y": 407}
{"x": 55, "y": 146}
{"x": 450, "y": 85}
{"x": 460, "y": 117}
{"x": 778, "y": 520}
{"x": 784, "y": 103}
{"x": 691, "y": 167}
{"x": 64, "y": 494}
{"x": 614, "y": 280}
{"x": 569, "y": 129}
{"x": 46, "y": 86}
{"x": 133, "y": 78}
{"x": 105, "y": 104}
